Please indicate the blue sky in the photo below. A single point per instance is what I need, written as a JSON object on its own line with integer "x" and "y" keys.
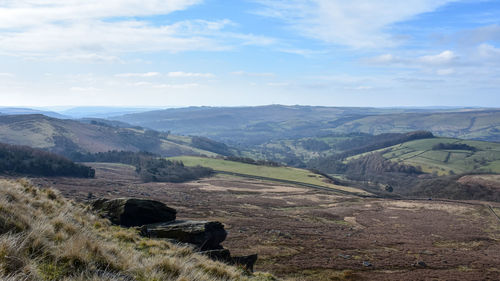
{"x": 255, "y": 52}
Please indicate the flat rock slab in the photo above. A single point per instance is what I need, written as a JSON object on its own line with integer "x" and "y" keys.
{"x": 206, "y": 235}
{"x": 130, "y": 212}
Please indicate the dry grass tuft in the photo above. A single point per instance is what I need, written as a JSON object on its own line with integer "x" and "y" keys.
{"x": 43, "y": 236}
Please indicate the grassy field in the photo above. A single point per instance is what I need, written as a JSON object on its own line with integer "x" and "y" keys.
{"x": 278, "y": 173}
{"x": 486, "y": 158}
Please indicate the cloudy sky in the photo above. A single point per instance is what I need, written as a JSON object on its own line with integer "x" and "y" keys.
{"x": 250, "y": 52}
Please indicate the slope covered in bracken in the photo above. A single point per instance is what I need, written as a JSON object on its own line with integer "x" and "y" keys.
{"x": 44, "y": 236}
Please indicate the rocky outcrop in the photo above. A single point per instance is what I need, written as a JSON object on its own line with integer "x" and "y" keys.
{"x": 205, "y": 235}
{"x": 156, "y": 220}
{"x": 134, "y": 212}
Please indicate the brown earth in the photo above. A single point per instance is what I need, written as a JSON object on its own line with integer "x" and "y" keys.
{"x": 306, "y": 234}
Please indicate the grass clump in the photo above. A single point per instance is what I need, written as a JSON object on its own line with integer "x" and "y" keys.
{"x": 46, "y": 237}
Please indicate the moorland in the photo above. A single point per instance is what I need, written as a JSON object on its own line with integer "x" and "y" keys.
{"x": 319, "y": 193}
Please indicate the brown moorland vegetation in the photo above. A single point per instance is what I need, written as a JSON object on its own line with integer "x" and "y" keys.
{"x": 315, "y": 235}
{"x": 44, "y": 236}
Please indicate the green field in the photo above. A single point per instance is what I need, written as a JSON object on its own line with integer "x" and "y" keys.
{"x": 486, "y": 158}
{"x": 278, "y": 173}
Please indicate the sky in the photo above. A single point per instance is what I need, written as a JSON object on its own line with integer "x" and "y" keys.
{"x": 249, "y": 52}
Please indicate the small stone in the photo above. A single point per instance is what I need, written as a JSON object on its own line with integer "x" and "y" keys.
{"x": 367, "y": 264}
{"x": 345, "y": 256}
{"x": 421, "y": 264}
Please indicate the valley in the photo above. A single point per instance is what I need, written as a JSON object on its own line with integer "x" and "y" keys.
{"x": 313, "y": 205}
{"x": 249, "y": 140}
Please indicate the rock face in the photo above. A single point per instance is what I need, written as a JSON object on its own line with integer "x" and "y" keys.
{"x": 206, "y": 235}
{"x": 134, "y": 212}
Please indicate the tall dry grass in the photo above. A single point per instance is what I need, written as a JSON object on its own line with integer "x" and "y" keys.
{"x": 44, "y": 236}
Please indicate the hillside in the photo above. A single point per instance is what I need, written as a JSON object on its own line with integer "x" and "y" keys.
{"x": 25, "y": 111}
{"x": 280, "y": 174}
{"x": 248, "y": 126}
{"x": 467, "y": 124}
{"x": 298, "y": 152}
{"x": 44, "y": 236}
{"x": 310, "y": 234}
{"x": 480, "y": 157}
{"x": 67, "y": 136}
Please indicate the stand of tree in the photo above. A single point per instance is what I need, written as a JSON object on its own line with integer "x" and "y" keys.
{"x": 211, "y": 145}
{"x": 380, "y": 176}
{"x": 252, "y": 161}
{"x": 150, "y": 167}
{"x": 453, "y": 146}
{"x": 24, "y": 160}
{"x": 334, "y": 164}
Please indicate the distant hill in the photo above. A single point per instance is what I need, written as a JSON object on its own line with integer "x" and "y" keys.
{"x": 22, "y": 111}
{"x": 68, "y": 136}
{"x": 258, "y": 125}
{"x": 465, "y": 124}
{"x": 101, "y": 111}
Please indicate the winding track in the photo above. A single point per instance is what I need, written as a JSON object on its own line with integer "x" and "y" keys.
{"x": 329, "y": 189}
{"x": 343, "y": 192}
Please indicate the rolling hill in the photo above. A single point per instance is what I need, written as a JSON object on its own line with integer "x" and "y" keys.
{"x": 23, "y": 111}
{"x": 248, "y": 126}
{"x": 467, "y": 124}
{"x": 455, "y": 156}
{"x": 67, "y": 136}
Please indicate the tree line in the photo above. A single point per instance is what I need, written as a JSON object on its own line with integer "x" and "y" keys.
{"x": 150, "y": 167}
{"x": 24, "y": 160}
{"x": 453, "y": 146}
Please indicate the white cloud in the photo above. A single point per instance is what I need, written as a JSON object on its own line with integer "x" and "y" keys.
{"x": 87, "y": 57}
{"x": 100, "y": 37}
{"x": 445, "y": 57}
{"x": 4, "y": 74}
{"x": 102, "y": 30}
{"x": 301, "y": 52}
{"x": 147, "y": 74}
{"x": 487, "y": 51}
{"x": 141, "y": 84}
{"x": 278, "y": 84}
{"x": 255, "y": 74}
{"x": 445, "y": 71}
{"x": 85, "y": 89}
{"x": 359, "y": 88}
{"x": 180, "y": 74}
{"x": 478, "y": 35}
{"x": 25, "y": 13}
{"x": 355, "y": 23}
{"x": 176, "y": 86}
{"x": 384, "y": 59}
